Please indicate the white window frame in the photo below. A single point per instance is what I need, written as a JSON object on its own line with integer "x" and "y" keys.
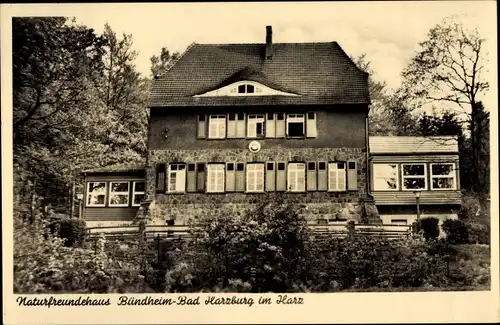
{"x": 374, "y": 177}
{"x": 218, "y": 170}
{"x": 96, "y": 194}
{"x": 294, "y": 170}
{"x": 252, "y": 120}
{"x": 111, "y": 193}
{"x": 333, "y": 168}
{"x": 296, "y": 118}
{"x": 134, "y": 192}
{"x": 255, "y": 171}
{"x": 217, "y": 126}
{"x": 453, "y": 177}
{"x": 403, "y": 177}
{"x": 180, "y": 175}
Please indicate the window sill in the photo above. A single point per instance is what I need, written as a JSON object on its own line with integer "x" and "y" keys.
{"x": 96, "y": 206}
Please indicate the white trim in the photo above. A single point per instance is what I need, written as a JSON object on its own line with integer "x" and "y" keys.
{"x": 90, "y": 193}
{"x": 374, "y": 177}
{"x": 255, "y": 173}
{"x": 232, "y": 90}
{"x": 453, "y": 177}
{"x": 414, "y": 177}
{"x": 134, "y": 193}
{"x": 111, "y": 193}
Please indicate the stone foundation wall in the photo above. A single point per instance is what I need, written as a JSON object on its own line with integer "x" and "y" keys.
{"x": 319, "y": 205}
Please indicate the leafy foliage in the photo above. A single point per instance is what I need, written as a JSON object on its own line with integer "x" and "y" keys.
{"x": 456, "y": 231}
{"x": 73, "y": 231}
{"x": 430, "y": 227}
{"x": 44, "y": 264}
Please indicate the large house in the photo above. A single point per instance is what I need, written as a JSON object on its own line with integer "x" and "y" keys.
{"x": 232, "y": 122}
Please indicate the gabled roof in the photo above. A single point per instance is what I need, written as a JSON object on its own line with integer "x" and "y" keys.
{"x": 321, "y": 73}
{"x": 411, "y": 145}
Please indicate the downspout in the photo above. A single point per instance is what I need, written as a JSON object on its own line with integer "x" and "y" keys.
{"x": 368, "y": 158}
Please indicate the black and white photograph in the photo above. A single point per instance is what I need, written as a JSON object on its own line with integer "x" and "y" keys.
{"x": 251, "y": 148}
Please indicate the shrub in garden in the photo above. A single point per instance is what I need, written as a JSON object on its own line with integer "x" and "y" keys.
{"x": 430, "y": 227}
{"x": 263, "y": 250}
{"x": 73, "y": 231}
{"x": 43, "y": 264}
{"x": 479, "y": 233}
{"x": 456, "y": 231}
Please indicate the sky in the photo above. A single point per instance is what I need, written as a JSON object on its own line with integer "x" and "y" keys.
{"x": 388, "y": 32}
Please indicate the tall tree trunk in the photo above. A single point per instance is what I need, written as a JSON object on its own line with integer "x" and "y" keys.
{"x": 33, "y": 202}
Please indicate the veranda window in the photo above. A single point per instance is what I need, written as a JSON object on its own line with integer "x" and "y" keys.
{"x": 215, "y": 178}
{"x": 443, "y": 176}
{"x": 138, "y": 193}
{"x": 414, "y": 177}
{"x": 96, "y": 194}
{"x": 119, "y": 194}
{"x": 385, "y": 177}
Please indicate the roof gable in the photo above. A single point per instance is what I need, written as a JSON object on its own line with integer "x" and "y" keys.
{"x": 321, "y": 73}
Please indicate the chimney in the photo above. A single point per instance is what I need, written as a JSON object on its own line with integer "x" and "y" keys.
{"x": 269, "y": 42}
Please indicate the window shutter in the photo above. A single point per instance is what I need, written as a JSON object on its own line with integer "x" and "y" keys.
{"x": 191, "y": 178}
{"x": 160, "y": 178}
{"x": 270, "y": 177}
{"x": 202, "y": 126}
{"x": 322, "y": 176}
{"x": 311, "y": 176}
{"x": 280, "y": 125}
{"x": 200, "y": 177}
{"x": 231, "y": 125}
{"x": 230, "y": 177}
{"x": 352, "y": 176}
{"x": 311, "y": 125}
{"x": 240, "y": 125}
{"x": 281, "y": 176}
{"x": 240, "y": 177}
{"x": 270, "y": 125}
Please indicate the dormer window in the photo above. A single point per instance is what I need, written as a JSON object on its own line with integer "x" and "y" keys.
{"x": 246, "y": 89}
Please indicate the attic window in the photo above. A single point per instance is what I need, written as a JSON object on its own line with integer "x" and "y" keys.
{"x": 246, "y": 89}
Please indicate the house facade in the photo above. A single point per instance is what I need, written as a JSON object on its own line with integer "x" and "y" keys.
{"x": 232, "y": 123}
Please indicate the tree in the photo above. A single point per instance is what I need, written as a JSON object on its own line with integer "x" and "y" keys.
{"x": 160, "y": 64}
{"x": 449, "y": 69}
{"x": 56, "y": 65}
{"x": 124, "y": 94}
{"x": 389, "y": 113}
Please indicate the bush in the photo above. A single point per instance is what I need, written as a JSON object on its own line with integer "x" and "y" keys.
{"x": 72, "y": 230}
{"x": 43, "y": 264}
{"x": 478, "y": 233}
{"x": 456, "y": 231}
{"x": 430, "y": 227}
{"x": 261, "y": 251}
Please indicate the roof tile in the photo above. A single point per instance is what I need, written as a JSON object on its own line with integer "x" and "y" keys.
{"x": 321, "y": 72}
